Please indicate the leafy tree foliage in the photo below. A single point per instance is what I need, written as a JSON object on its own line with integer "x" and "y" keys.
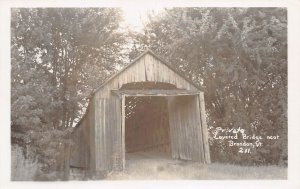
{"x": 239, "y": 57}
{"x": 57, "y": 57}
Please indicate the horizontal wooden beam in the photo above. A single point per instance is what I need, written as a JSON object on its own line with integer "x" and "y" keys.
{"x": 170, "y": 92}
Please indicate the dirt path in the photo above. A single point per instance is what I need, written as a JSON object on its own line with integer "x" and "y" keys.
{"x": 145, "y": 166}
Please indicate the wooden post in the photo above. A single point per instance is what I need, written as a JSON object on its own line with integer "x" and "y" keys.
{"x": 204, "y": 128}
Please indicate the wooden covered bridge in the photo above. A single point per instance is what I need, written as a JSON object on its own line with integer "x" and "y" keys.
{"x": 148, "y": 105}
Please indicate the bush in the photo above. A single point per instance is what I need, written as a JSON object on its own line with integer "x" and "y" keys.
{"x": 23, "y": 168}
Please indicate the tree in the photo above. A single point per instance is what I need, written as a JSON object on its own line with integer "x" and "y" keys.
{"x": 239, "y": 57}
{"x": 58, "y": 57}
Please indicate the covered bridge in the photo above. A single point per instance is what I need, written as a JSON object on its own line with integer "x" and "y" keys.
{"x": 148, "y": 105}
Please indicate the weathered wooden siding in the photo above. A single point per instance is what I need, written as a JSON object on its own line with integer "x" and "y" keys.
{"x": 117, "y": 156}
{"x": 107, "y": 134}
{"x": 147, "y": 68}
{"x": 83, "y": 150}
{"x": 185, "y": 127}
{"x": 63, "y": 161}
{"x": 79, "y": 156}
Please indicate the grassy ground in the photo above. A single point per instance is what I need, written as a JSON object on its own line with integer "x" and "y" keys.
{"x": 144, "y": 166}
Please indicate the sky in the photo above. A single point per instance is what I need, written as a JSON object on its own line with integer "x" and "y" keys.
{"x": 136, "y": 16}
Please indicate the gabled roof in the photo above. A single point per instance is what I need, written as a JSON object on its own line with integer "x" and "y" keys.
{"x": 148, "y": 51}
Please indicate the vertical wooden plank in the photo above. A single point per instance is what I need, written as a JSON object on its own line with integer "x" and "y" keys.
{"x": 187, "y": 108}
{"x": 108, "y": 134}
{"x": 93, "y": 124}
{"x": 141, "y": 71}
{"x": 175, "y": 128}
{"x": 204, "y": 128}
{"x": 98, "y": 134}
{"x": 190, "y": 122}
{"x": 108, "y": 127}
{"x": 199, "y": 154}
{"x": 87, "y": 142}
{"x": 191, "y": 132}
{"x": 154, "y": 70}
{"x": 113, "y": 128}
{"x": 105, "y": 135}
{"x": 198, "y": 131}
{"x": 114, "y": 134}
{"x": 182, "y": 128}
{"x": 102, "y": 153}
{"x": 178, "y": 127}
{"x": 99, "y": 137}
{"x": 185, "y": 119}
{"x": 112, "y": 131}
{"x": 172, "y": 133}
{"x": 148, "y": 65}
{"x": 112, "y": 113}
{"x": 159, "y": 74}
{"x": 102, "y": 138}
{"x": 123, "y": 131}
{"x": 146, "y": 68}
{"x": 119, "y": 133}
{"x": 66, "y": 161}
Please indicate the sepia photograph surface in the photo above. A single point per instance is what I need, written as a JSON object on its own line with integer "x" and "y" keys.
{"x": 162, "y": 93}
